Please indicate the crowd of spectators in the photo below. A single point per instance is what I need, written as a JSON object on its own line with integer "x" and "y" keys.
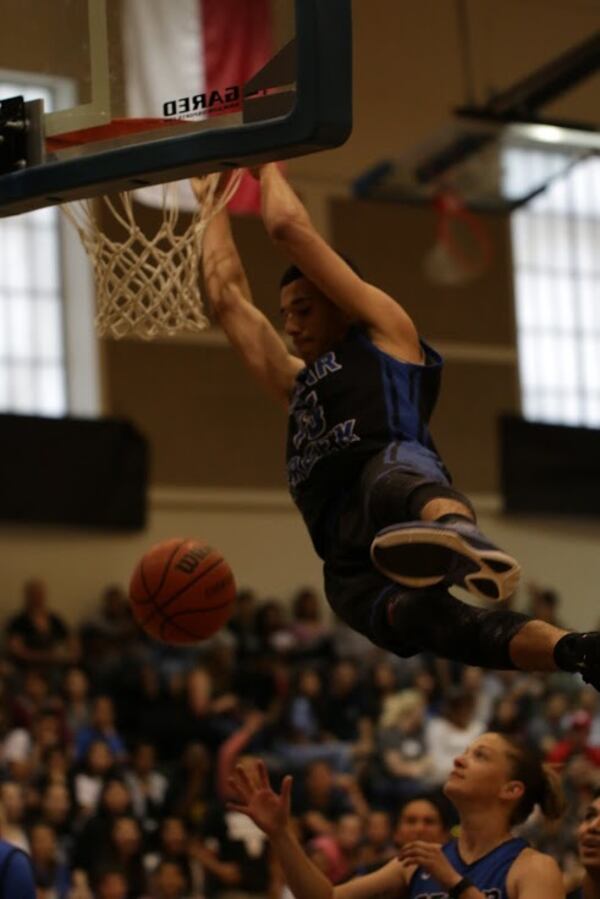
{"x": 116, "y": 750}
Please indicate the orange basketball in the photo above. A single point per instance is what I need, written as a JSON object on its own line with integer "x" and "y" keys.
{"x": 182, "y": 591}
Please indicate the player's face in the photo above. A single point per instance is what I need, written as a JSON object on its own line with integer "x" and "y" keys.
{"x": 312, "y": 322}
{"x": 482, "y": 773}
{"x": 419, "y": 820}
{"x": 588, "y": 836}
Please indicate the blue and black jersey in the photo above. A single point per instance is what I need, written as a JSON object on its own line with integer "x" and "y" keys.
{"x": 488, "y": 873}
{"x": 348, "y": 405}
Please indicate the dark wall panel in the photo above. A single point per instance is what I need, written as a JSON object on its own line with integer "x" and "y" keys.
{"x": 208, "y": 424}
{"x": 389, "y": 241}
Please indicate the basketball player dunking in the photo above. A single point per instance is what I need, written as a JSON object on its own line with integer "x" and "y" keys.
{"x": 361, "y": 386}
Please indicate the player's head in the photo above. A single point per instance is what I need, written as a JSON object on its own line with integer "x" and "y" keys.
{"x": 505, "y": 776}
{"x": 588, "y": 836}
{"x": 420, "y": 819}
{"x": 312, "y": 321}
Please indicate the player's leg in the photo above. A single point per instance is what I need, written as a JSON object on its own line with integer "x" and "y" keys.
{"x": 406, "y": 622}
{"x": 425, "y": 530}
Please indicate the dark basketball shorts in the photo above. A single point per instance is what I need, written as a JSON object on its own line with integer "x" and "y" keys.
{"x": 357, "y": 592}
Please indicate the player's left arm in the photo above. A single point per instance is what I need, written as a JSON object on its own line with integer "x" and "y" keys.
{"x": 535, "y": 875}
{"x": 290, "y": 228}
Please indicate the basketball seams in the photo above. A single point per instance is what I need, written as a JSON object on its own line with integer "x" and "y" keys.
{"x": 175, "y": 620}
{"x": 187, "y": 586}
{"x": 165, "y": 571}
{"x": 161, "y": 608}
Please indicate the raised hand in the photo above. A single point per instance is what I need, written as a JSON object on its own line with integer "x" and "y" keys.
{"x": 269, "y": 810}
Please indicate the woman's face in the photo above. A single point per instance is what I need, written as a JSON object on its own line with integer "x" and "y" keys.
{"x": 588, "y": 837}
{"x": 483, "y": 773}
{"x": 419, "y": 820}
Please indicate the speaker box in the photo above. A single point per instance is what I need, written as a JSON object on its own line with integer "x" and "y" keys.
{"x": 549, "y": 468}
{"x": 89, "y": 473}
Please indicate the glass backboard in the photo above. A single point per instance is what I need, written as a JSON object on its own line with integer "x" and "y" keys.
{"x": 148, "y": 91}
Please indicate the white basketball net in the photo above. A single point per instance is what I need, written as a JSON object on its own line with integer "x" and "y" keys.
{"x": 148, "y": 286}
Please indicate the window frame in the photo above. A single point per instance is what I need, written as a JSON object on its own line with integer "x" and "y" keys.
{"x": 81, "y": 359}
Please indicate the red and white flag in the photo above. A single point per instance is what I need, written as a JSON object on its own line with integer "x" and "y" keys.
{"x": 180, "y": 54}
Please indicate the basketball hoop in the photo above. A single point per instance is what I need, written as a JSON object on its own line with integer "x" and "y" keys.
{"x": 149, "y": 286}
{"x": 463, "y": 249}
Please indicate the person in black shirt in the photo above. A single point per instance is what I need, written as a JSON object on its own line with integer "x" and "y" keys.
{"x": 360, "y": 388}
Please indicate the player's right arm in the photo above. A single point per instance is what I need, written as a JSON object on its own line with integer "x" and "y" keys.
{"x": 271, "y": 812}
{"x": 247, "y": 328}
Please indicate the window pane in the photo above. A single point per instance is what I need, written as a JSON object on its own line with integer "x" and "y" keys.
{"x": 23, "y": 388}
{"x": 44, "y": 258}
{"x": 48, "y": 330}
{"x": 20, "y": 323}
{"x": 557, "y": 291}
{"x": 50, "y": 390}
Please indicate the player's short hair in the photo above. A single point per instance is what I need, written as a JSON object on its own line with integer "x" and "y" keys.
{"x": 293, "y": 273}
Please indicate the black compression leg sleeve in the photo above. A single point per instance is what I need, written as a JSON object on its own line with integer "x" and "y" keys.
{"x": 441, "y": 624}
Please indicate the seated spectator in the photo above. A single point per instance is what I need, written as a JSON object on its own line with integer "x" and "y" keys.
{"x": 122, "y": 850}
{"x": 383, "y": 681}
{"x": 191, "y": 790}
{"x": 235, "y": 857}
{"x": 305, "y": 709}
{"x": 402, "y": 765}
{"x": 50, "y": 869}
{"x": 111, "y": 884}
{"x": 346, "y": 709}
{"x": 38, "y": 636}
{"x": 589, "y": 701}
{"x": 544, "y": 604}
{"x": 12, "y": 804}
{"x": 174, "y": 845}
{"x": 210, "y": 718}
{"x": 34, "y": 697}
{"x": 147, "y": 785}
{"x": 54, "y": 768}
{"x": 56, "y": 811}
{"x": 575, "y": 742}
{"x": 377, "y": 847}
{"x": 546, "y": 725}
{"x": 322, "y": 797}
{"x": 114, "y": 802}
{"x": 508, "y": 717}
{"x": 77, "y": 703}
{"x": 349, "y": 644}
{"x": 170, "y": 882}
{"x": 421, "y": 819}
{"x": 242, "y": 625}
{"x": 273, "y": 628}
{"x": 312, "y": 635}
{"x": 349, "y": 835}
{"x": 101, "y": 728}
{"x": 88, "y": 782}
{"x": 106, "y": 634}
{"x": 448, "y": 735}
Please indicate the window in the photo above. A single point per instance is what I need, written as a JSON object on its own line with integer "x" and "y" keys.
{"x": 556, "y": 253}
{"x": 48, "y": 361}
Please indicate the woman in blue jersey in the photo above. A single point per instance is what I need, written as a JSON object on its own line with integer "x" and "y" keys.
{"x": 494, "y": 786}
{"x": 360, "y": 387}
